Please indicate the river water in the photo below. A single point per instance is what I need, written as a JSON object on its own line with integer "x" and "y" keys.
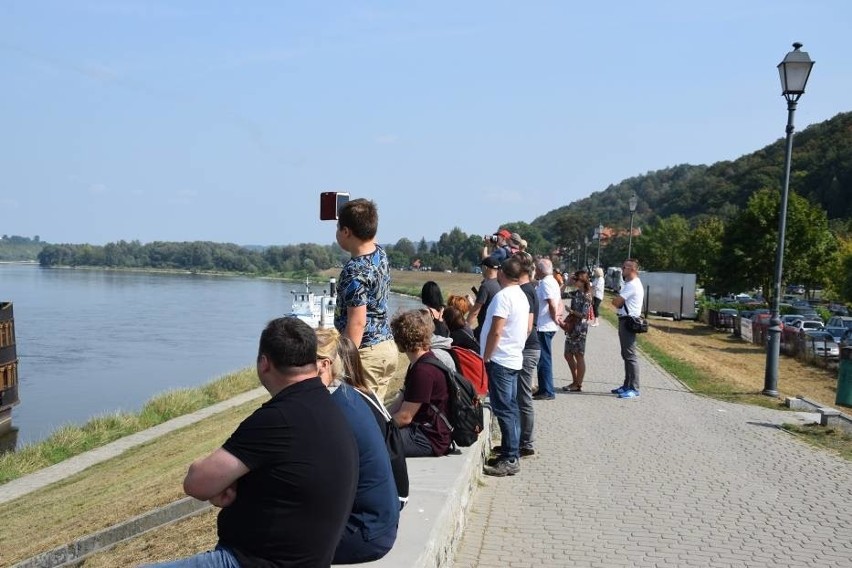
{"x": 97, "y": 341}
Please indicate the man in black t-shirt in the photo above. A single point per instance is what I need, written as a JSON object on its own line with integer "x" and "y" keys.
{"x": 286, "y": 478}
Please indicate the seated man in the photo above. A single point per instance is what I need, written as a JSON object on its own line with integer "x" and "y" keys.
{"x": 286, "y": 477}
{"x": 424, "y": 431}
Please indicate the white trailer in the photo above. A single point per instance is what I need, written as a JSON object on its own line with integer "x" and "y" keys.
{"x": 669, "y": 294}
{"x": 613, "y": 278}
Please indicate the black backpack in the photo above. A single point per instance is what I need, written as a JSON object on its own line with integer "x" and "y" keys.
{"x": 465, "y": 410}
{"x": 396, "y": 450}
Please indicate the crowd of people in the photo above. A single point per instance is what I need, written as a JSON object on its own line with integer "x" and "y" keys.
{"x": 317, "y": 474}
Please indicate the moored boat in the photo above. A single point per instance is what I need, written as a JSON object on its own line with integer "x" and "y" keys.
{"x": 8, "y": 366}
{"x": 317, "y": 310}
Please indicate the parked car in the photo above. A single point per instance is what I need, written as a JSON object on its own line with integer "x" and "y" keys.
{"x": 788, "y": 319}
{"x": 839, "y": 321}
{"x": 836, "y": 332}
{"x": 846, "y": 340}
{"x": 838, "y": 309}
{"x": 795, "y": 289}
{"x": 819, "y": 343}
{"x": 805, "y": 325}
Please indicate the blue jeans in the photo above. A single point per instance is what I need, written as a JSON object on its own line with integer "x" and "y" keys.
{"x": 545, "y": 363}
{"x": 220, "y": 557}
{"x": 503, "y": 392}
{"x": 353, "y": 549}
{"x": 525, "y": 399}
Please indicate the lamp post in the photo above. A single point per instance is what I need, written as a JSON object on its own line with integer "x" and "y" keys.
{"x": 586, "y": 252}
{"x": 632, "y": 202}
{"x": 794, "y": 72}
{"x": 598, "y": 233}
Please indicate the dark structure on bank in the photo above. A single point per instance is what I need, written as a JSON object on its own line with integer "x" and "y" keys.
{"x": 8, "y": 367}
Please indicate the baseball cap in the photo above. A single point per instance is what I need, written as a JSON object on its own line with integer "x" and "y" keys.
{"x": 515, "y": 238}
{"x": 489, "y": 262}
{"x": 504, "y": 233}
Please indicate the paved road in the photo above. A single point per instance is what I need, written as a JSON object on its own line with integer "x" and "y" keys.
{"x": 670, "y": 479}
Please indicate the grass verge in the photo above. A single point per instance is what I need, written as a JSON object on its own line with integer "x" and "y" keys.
{"x": 71, "y": 440}
{"x": 824, "y": 437}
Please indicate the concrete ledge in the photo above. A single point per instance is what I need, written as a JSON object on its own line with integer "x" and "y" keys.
{"x": 431, "y": 525}
{"x": 429, "y": 528}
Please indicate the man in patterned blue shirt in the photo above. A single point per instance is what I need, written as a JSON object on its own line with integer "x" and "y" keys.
{"x": 361, "y": 312}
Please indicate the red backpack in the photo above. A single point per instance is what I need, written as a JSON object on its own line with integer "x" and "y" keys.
{"x": 471, "y": 366}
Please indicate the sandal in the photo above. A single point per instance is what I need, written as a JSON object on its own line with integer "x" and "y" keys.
{"x": 573, "y": 388}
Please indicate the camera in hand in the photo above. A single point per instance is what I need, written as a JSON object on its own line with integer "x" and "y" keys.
{"x": 491, "y": 238}
{"x": 330, "y": 204}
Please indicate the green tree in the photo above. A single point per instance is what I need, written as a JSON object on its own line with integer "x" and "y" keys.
{"x": 751, "y": 241}
{"x": 702, "y": 251}
{"x": 660, "y": 247}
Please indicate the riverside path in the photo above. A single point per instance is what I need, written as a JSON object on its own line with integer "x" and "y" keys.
{"x": 669, "y": 479}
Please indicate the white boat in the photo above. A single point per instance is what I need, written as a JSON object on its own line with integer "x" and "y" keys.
{"x": 316, "y": 310}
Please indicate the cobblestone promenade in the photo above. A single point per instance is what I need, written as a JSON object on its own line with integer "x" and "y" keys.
{"x": 669, "y": 479}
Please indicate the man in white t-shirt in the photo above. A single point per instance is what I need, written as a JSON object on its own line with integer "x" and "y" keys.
{"x": 629, "y": 302}
{"x": 549, "y": 315}
{"x": 507, "y": 324}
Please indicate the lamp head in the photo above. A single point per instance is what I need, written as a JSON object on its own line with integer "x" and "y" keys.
{"x": 633, "y": 202}
{"x": 794, "y": 72}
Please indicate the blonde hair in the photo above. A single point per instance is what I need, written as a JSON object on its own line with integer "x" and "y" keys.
{"x": 345, "y": 360}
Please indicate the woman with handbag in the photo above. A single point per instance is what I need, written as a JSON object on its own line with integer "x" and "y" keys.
{"x": 576, "y": 326}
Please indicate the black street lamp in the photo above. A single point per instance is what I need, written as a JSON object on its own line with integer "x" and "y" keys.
{"x": 633, "y": 202}
{"x": 794, "y": 72}
{"x": 598, "y": 234}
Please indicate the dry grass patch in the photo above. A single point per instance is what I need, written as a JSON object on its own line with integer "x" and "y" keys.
{"x": 139, "y": 480}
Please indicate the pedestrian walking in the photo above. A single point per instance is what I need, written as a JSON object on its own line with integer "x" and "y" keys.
{"x": 598, "y": 288}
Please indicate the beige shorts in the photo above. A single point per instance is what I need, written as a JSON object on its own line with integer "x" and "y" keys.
{"x": 379, "y": 362}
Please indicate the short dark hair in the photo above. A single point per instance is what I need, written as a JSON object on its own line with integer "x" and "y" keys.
{"x": 512, "y": 268}
{"x": 288, "y": 342}
{"x": 361, "y": 216}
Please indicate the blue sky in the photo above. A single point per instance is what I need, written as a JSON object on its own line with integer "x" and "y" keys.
{"x": 224, "y": 121}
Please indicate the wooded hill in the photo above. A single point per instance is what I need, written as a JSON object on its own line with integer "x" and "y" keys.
{"x": 821, "y": 172}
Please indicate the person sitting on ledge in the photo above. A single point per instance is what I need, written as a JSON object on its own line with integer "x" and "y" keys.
{"x": 286, "y": 478}
{"x": 424, "y": 433}
{"x": 371, "y": 529}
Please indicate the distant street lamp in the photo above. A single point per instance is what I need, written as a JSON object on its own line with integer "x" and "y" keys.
{"x": 586, "y": 252}
{"x": 598, "y": 233}
{"x": 794, "y": 72}
{"x": 632, "y": 202}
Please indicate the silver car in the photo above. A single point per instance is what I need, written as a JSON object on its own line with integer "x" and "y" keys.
{"x": 819, "y": 343}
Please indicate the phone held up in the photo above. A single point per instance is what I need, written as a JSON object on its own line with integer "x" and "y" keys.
{"x": 330, "y": 204}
